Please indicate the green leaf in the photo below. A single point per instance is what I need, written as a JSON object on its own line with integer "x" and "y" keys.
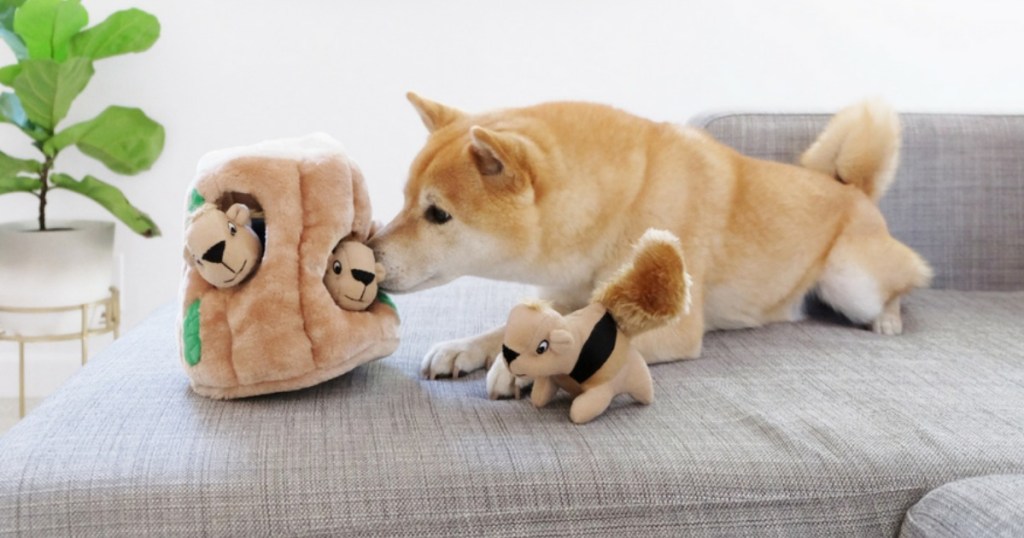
{"x": 47, "y": 26}
{"x": 131, "y": 30}
{"x": 19, "y": 184}
{"x": 11, "y": 166}
{"x": 8, "y": 74}
{"x": 12, "y": 112}
{"x": 125, "y": 139}
{"x": 7, "y": 10}
{"x": 195, "y": 200}
{"x": 47, "y": 88}
{"x": 193, "y": 344}
{"x": 13, "y": 41}
{"x": 111, "y": 198}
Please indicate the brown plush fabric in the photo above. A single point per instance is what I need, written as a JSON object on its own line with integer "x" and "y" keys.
{"x": 281, "y": 330}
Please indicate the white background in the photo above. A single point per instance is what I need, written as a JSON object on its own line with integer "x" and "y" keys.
{"x": 231, "y": 72}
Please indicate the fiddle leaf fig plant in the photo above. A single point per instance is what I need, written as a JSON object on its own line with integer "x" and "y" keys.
{"x": 55, "y": 54}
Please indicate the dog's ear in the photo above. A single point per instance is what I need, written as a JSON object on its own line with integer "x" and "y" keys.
{"x": 493, "y": 152}
{"x": 434, "y": 115}
{"x": 239, "y": 214}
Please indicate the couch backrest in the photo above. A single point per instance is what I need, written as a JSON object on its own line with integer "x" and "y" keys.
{"x": 958, "y": 198}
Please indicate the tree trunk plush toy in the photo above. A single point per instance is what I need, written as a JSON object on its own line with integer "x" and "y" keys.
{"x": 589, "y": 353}
{"x": 262, "y": 308}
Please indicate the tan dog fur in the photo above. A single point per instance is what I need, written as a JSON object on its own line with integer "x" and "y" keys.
{"x": 653, "y": 289}
{"x": 554, "y": 195}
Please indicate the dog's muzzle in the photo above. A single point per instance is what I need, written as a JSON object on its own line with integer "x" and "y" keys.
{"x": 508, "y": 354}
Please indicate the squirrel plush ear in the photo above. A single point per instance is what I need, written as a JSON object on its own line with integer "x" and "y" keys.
{"x": 239, "y": 214}
{"x": 561, "y": 338}
{"x": 434, "y": 115}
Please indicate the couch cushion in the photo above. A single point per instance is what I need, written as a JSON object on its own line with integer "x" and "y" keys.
{"x": 794, "y": 429}
{"x": 958, "y": 198}
{"x": 983, "y": 507}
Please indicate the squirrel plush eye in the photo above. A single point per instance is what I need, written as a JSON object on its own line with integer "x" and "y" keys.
{"x": 542, "y": 347}
{"x": 232, "y": 229}
{"x": 336, "y": 268}
{"x": 437, "y": 215}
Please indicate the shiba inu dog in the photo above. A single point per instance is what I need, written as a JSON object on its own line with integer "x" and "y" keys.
{"x": 556, "y": 194}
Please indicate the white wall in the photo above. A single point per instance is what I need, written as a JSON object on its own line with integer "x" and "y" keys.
{"x": 231, "y": 72}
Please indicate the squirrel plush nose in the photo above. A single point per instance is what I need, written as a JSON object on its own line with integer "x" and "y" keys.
{"x": 508, "y": 354}
{"x": 215, "y": 254}
{"x": 363, "y": 276}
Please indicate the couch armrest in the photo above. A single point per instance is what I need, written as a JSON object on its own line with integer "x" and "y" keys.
{"x": 981, "y": 507}
{"x": 958, "y": 198}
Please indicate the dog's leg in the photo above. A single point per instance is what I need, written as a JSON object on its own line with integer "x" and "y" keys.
{"x": 464, "y": 355}
{"x": 865, "y": 276}
{"x": 890, "y": 321}
{"x": 502, "y": 383}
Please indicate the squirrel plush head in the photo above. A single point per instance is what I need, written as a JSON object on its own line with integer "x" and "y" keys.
{"x": 538, "y": 342}
{"x": 352, "y": 275}
{"x": 221, "y": 245}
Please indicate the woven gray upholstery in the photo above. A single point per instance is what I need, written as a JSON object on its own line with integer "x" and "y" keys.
{"x": 958, "y": 198}
{"x": 806, "y": 429}
{"x": 983, "y": 507}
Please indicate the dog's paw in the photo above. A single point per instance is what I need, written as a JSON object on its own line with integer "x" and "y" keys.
{"x": 501, "y": 383}
{"x": 454, "y": 357}
{"x": 888, "y": 324}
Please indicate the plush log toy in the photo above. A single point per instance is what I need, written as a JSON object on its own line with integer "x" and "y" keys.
{"x": 262, "y": 308}
{"x": 588, "y": 352}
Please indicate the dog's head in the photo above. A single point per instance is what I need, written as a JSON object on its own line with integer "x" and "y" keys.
{"x": 538, "y": 342}
{"x": 469, "y": 202}
{"x": 221, "y": 245}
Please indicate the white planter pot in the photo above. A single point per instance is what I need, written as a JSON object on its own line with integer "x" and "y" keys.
{"x": 71, "y": 264}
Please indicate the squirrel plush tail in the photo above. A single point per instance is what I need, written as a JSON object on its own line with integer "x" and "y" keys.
{"x": 652, "y": 289}
{"x": 860, "y": 146}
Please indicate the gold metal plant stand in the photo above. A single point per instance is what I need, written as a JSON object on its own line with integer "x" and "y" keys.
{"x": 109, "y": 322}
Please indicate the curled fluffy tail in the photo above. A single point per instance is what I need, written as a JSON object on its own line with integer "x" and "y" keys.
{"x": 652, "y": 289}
{"x": 860, "y": 146}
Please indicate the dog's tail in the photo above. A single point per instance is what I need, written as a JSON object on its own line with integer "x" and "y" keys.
{"x": 860, "y": 146}
{"x": 652, "y": 289}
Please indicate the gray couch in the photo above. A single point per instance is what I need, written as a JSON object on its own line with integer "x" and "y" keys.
{"x": 808, "y": 429}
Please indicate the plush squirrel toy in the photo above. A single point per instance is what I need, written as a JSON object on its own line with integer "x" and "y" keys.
{"x": 352, "y": 275}
{"x": 588, "y": 352}
{"x": 221, "y": 245}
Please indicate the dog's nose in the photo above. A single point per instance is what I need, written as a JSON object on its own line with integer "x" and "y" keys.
{"x": 215, "y": 254}
{"x": 363, "y": 276}
{"x": 508, "y": 354}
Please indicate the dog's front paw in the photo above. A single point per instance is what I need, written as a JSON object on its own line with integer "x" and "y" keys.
{"x": 501, "y": 383}
{"x": 454, "y": 357}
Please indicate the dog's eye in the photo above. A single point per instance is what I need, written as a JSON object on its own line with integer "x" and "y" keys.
{"x": 437, "y": 215}
{"x": 542, "y": 347}
{"x": 336, "y": 268}
{"x": 232, "y": 229}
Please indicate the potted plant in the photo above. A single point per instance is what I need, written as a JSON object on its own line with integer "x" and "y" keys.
{"x": 46, "y": 261}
